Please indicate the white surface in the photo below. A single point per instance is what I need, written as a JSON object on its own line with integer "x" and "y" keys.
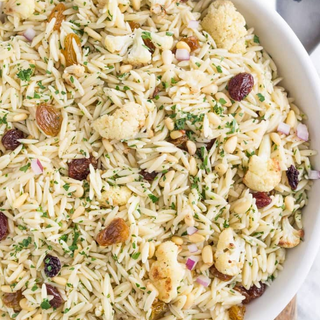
{"x": 303, "y": 83}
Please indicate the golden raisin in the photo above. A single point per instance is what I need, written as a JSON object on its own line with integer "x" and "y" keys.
{"x": 68, "y": 52}
{"x": 49, "y": 119}
{"x": 57, "y": 13}
{"x": 219, "y": 275}
{"x": 192, "y": 42}
{"x": 116, "y": 232}
{"x": 134, "y": 25}
{"x": 12, "y": 300}
{"x": 158, "y": 309}
{"x": 237, "y": 312}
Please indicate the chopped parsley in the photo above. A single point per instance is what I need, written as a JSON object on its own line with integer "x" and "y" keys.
{"x": 261, "y": 97}
{"x": 25, "y": 168}
{"x": 45, "y": 304}
{"x": 135, "y": 255}
{"x": 24, "y": 74}
{"x": 256, "y": 39}
{"x": 153, "y": 198}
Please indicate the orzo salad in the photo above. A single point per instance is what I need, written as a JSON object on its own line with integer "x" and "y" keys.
{"x": 151, "y": 167}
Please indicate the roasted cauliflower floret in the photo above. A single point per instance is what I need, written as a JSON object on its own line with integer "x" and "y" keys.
{"x": 115, "y": 196}
{"x": 227, "y": 256}
{"x": 21, "y": 8}
{"x": 139, "y": 52}
{"x": 166, "y": 273}
{"x": 195, "y": 79}
{"x": 263, "y": 174}
{"x": 124, "y": 123}
{"x": 226, "y": 26}
{"x": 158, "y": 6}
{"x": 291, "y": 237}
{"x": 116, "y": 43}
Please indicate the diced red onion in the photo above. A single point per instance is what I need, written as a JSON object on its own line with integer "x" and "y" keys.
{"x": 314, "y": 175}
{"x": 29, "y": 34}
{"x": 191, "y": 263}
{"x": 283, "y": 128}
{"x": 193, "y": 24}
{"x": 182, "y": 55}
{"x": 36, "y": 166}
{"x": 193, "y": 248}
{"x": 302, "y": 132}
{"x": 203, "y": 280}
{"x": 191, "y": 230}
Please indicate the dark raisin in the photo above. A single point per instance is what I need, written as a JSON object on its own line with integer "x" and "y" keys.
{"x": 237, "y": 312}
{"x": 12, "y": 300}
{"x": 10, "y": 139}
{"x": 219, "y": 275}
{"x": 134, "y": 25}
{"x": 253, "y": 293}
{"x": 79, "y": 168}
{"x": 52, "y": 265}
{"x": 240, "y": 86}
{"x": 293, "y": 177}
{"x": 150, "y": 45}
{"x": 4, "y": 226}
{"x": 116, "y": 232}
{"x": 210, "y": 144}
{"x": 192, "y": 42}
{"x": 262, "y": 199}
{"x": 49, "y": 119}
{"x": 158, "y": 309}
{"x": 57, "y": 300}
{"x": 180, "y": 142}
{"x": 149, "y": 176}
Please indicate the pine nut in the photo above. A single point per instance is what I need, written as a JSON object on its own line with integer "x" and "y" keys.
{"x": 60, "y": 280}
{"x": 275, "y": 138}
{"x": 291, "y": 119}
{"x": 210, "y": 89}
{"x": 213, "y": 118}
{"x": 193, "y": 166}
{"x": 151, "y": 287}
{"x": 207, "y": 255}
{"x": 169, "y": 123}
{"x": 242, "y": 207}
{"x": 191, "y": 146}
{"x": 79, "y": 191}
{"x": 176, "y": 134}
{"x": 107, "y": 145}
{"x": 20, "y": 201}
{"x": 20, "y": 117}
{"x": 171, "y": 158}
{"x": 221, "y": 168}
{"x": 177, "y": 240}
{"x": 221, "y": 95}
{"x": 37, "y": 317}
{"x": 136, "y": 4}
{"x": 150, "y": 133}
{"x": 125, "y": 68}
{"x": 6, "y": 289}
{"x": 189, "y": 302}
{"x": 78, "y": 212}
{"x": 167, "y": 178}
{"x": 189, "y": 220}
{"x": 167, "y": 57}
{"x": 25, "y": 305}
{"x": 196, "y": 237}
{"x": 231, "y": 144}
{"x": 152, "y": 249}
{"x": 289, "y": 203}
{"x": 183, "y": 45}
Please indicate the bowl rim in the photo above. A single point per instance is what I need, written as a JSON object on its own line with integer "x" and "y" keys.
{"x": 310, "y": 247}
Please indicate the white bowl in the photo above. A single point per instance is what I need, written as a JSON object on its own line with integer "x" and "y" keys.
{"x": 302, "y": 82}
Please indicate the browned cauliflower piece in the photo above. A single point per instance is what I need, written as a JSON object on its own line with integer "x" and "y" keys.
{"x": 226, "y": 26}
{"x": 166, "y": 273}
{"x": 263, "y": 174}
{"x": 115, "y": 196}
{"x": 291, "y": 237}
{"x": 227, "y": 256}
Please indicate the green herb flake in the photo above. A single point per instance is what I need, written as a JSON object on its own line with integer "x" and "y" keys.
{"x": 24, "y": 75}
{"x": 45, "y": 304}
{"x": 153, "y": 198}
{"x": 261, "y": 97}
